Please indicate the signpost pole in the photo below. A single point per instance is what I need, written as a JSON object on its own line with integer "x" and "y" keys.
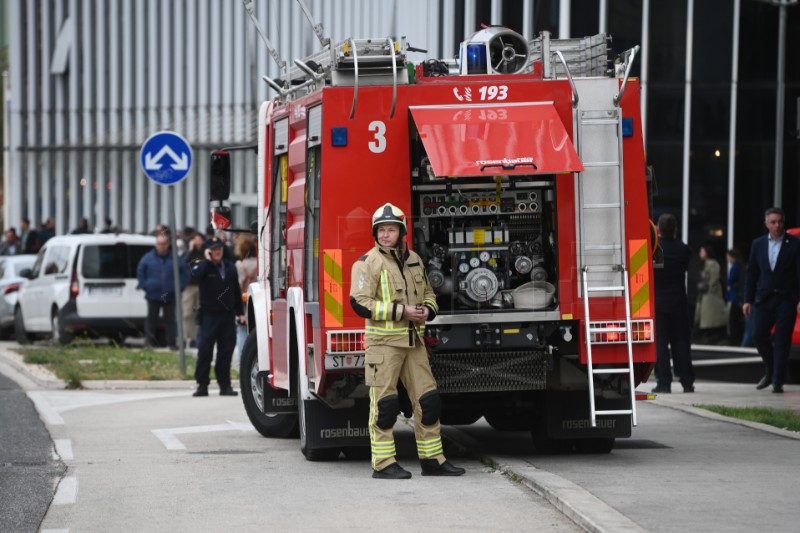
{"x": 166, "y": 158}
{"x": 176, "y": 280}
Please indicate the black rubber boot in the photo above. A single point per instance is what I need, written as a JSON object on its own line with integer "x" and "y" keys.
{"x": 393, "y": 471}
{"x": 431, "y": 467}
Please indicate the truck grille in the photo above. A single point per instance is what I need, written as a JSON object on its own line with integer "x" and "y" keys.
{"x": 490, "y": 371}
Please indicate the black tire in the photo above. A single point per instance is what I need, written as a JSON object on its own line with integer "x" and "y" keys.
{"x": 58, "y": 333}
{"x": 278, "y": 426}
{"x": 509, "y": 420}
{"x": 22, "y": 336}
{"x": 312, "y": 454}
{"x": 546, "y": 445}
{"x": 595, "y": 445}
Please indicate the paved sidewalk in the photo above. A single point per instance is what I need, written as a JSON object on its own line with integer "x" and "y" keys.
{"x": 574, "y": 498}
{"x": 731, "y": 395}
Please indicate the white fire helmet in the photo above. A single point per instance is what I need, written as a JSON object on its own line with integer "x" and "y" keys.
{"x": 389, "y": 214}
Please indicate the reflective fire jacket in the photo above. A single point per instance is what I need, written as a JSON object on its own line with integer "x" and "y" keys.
{"x": 383, "y": 283}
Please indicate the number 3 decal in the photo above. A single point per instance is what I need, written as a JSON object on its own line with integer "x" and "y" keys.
{"x": 379, "y": 144}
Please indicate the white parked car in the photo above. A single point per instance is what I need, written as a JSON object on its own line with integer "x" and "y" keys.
{"x": 11, "y": 280}
{"x": 84, "y": 285}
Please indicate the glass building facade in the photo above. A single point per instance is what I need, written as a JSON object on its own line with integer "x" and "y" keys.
{"x": 76, "y": 116}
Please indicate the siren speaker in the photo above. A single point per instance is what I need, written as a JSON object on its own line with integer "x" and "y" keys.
{"x": 494, "y": 50}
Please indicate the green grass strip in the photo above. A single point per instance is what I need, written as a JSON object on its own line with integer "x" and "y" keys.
{"x": 780, "y": 418}
{"x": 79, "y": 362}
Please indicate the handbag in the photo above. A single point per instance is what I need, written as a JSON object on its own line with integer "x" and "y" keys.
{"x": 702, "y": 286}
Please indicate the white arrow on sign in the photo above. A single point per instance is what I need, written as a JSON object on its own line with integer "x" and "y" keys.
{"x": 151, "y": 162}
{"x": 169, "y": 439}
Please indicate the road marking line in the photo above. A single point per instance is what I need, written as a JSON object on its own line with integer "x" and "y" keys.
{"x": 46, "y": 411}
{"x": 168, "y": 436}
{"x": 63, "y": 450}
{"x": 67, "y": 492}
{"x": 55, "y": 531}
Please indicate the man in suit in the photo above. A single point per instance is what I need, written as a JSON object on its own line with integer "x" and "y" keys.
{"x": 771, "y": 294}
{"x": 673, "y": 330}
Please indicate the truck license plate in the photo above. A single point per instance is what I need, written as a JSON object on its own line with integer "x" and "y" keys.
{"x": 343, "y": 362}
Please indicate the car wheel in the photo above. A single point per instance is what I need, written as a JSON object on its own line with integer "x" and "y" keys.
{"x": 254, "y": 395}
{"x": 23, "y": 337}
{"x": 57, "y": 331}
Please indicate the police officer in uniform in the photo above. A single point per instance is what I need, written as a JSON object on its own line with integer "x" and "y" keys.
{"x": 220, "y": 308}
{"x": 391, "y": 291}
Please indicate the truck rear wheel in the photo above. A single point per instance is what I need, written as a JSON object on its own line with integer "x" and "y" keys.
{"x": 502, "y": 420}
{"x": 595, "y": 445}
{"x": 254, "y": 394}
{"x": 545, "y": 444}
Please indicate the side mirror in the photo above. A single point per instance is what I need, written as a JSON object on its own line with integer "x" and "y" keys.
{"x": 220, "y": 175}
{"x": 26, "y": 273}
{"x": 254, "y": 227}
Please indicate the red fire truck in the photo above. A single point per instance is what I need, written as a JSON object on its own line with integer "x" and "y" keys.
{"x": 521, "y": 167}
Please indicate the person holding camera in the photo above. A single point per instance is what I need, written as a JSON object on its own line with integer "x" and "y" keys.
{"x": 220, "y": 309}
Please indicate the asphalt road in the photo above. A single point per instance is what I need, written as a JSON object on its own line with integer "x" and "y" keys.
{"x": 678, "y": 472}
{"x": 159, "y": 460}
{"x": 164, "y": 461}
{"x": 28, "y": 472}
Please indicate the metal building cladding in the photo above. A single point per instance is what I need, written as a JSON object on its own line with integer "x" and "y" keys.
{"x": 90, "y": 80}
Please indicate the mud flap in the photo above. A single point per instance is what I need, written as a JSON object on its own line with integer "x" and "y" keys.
{"x": 567, "y": 417}
{"x": 276, "y": 401}
{"x": 336, "y": 428}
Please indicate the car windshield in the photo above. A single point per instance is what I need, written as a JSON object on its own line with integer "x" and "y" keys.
{"x": 112, "y": 261}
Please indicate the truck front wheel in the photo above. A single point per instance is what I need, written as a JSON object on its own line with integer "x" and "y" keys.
{"x": 255, "y": 394}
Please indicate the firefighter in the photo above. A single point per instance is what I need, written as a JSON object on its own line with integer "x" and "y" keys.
{"x": 391, "y": 291}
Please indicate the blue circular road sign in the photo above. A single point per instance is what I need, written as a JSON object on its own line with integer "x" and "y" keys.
{"x": 166, "y": 157}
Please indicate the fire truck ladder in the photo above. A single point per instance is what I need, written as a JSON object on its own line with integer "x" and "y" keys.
{"x": 601, "y": 249}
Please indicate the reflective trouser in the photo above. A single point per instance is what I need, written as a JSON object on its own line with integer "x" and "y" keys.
{"x": 384, "y": 365}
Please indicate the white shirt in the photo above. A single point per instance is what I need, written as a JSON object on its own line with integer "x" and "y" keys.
{"x": 774, "y": 250}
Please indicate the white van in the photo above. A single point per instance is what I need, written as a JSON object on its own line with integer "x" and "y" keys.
{"x": 84, "y": 285}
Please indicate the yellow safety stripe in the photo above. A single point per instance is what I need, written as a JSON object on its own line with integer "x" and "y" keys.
{"x": 380, "y": 450}
{"x": 375, "y": 330}
{"x": 386, "y": 294}
{"x": 384, "y": 307}
{"x": 332, "y": 288}
{"x": 431, "y": 303}
{"x": 378, "y": 453}
{"x": 639, "y": 278}
{"x": 430, "y": 448}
